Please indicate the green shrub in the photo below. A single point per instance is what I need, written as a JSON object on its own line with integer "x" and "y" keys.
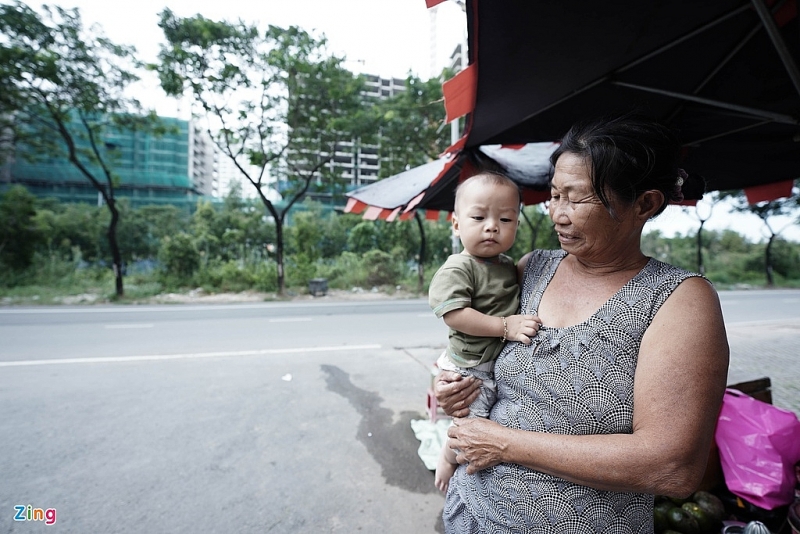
{"x": 382, "y": 268}
{"x": 363, "y": 237}
{"x": 265, "y": 276}
{"x": 225, "y": 276}
{"x": 299, "y": 270}
{"x": 345, "y": 272}
{"x": 179, "y": 256}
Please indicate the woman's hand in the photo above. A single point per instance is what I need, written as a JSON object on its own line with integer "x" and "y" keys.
{"x": 477, "y": 442}
{"x": 455, "y": 393}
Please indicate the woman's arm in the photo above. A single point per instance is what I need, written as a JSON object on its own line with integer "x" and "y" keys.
{"x": 678, "y": 388}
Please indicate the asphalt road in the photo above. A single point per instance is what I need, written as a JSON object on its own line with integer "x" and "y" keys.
{"x": 247, "y": 418}
{"x": 238, "y": 418}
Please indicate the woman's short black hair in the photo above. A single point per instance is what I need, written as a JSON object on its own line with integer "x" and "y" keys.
{"x": 627, "y": 155}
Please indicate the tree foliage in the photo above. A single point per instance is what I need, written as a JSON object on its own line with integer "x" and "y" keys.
{"x": 19, "y": 234}
{"x": 61, "y": 88}
{"x": 274, "y": 101}
{"x": 220, "y": 247}
{"x": 767, "y": 211}
{"x": 412, "y": 126}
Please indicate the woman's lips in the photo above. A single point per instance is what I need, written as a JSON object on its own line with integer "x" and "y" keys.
{"x": 565, "y": 237}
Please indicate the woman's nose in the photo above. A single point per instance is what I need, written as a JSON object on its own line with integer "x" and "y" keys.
{"x": 558, "y": 211}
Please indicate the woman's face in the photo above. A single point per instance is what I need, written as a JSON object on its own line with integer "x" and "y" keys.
{"x": 584, "y": 226}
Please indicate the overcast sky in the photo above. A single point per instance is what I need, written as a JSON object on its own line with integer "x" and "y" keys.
{"x": 384, "y": 37}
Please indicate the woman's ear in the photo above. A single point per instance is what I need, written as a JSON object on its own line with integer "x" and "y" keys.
{"x": 649, "y": 203}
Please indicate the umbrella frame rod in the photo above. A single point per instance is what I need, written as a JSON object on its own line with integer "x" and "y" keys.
{"x": 734, "y": 51}
{"x": 729, "y": 132}
{"x": 777, "y": 41}
{"x": 686, "y": 37}
{"x": 727, "y": 58}
{"x": 776, "y": 117}
{"x": 718, "y": 68}
{"x": 635, "y": 62}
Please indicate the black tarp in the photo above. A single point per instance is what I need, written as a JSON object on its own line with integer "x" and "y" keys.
{"x": 724, "y": 75}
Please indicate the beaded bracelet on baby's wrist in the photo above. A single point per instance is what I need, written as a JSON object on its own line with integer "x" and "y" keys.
{"x": 505, "y": 330}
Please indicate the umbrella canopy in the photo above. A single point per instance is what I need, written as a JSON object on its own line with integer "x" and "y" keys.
{"x": 432, "y": 186}
{"x": 722, "y": 72}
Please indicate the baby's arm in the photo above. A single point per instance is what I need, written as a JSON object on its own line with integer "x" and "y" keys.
{"x": 474, "y": 323}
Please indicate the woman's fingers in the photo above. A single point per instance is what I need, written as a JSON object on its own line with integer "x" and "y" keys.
{"x": 455, "y": 393}
{"x": 476, "y": 443}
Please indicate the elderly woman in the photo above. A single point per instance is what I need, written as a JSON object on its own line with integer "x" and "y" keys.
{"x": 617, "y": 397}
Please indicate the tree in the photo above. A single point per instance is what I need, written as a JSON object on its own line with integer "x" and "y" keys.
{"x": 412, "y": 126}
{"x": 765, "y": 211}
{"x": 702, "y": 212}
{"x": 274, "y": 101}
{"x": 61, "y": 89}
{"x": 412, "y": 133}
{"x": 19, "y": 235}
{"x": 535, "y": 217}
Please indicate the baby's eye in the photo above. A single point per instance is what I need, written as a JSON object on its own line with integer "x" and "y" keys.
{"x": 477, "y": 218}
{"x": 505, "y": 220}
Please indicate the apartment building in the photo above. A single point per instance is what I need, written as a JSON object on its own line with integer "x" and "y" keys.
{"x": 174, "y": 168}
{"x": 356, "y": 163}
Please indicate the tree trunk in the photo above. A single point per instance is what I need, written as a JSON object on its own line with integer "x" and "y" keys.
{"x": 534, "y": 229}
{"x": 116, "y": 257}
{"x": 279, "y": 256}
{"x": 768, "y": 261}
{"x": 420, "y": 264}
{"x": 700, "y": 267}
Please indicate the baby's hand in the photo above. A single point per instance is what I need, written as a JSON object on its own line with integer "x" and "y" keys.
{"x": 522, "y": 328}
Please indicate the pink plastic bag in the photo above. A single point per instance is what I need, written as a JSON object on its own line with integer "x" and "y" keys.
{"x": 758, "y": 446}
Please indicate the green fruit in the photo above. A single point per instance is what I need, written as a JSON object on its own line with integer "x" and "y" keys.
{"x": 683, "y": 521}
{"x": 660, "y": 520}
{"x": 677, "y": 501}
{"x": 706, "y": 522}
{"x": 711, "y": 504}
{"x": 664, "y": 506}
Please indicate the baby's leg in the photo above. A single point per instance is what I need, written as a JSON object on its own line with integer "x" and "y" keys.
{"x": 445, "y": 468}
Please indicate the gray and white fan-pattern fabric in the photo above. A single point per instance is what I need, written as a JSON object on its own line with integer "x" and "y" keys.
{"x": 573, "y": 380}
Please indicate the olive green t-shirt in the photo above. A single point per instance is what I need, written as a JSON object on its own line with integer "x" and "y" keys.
{"x": 488, "y": 285}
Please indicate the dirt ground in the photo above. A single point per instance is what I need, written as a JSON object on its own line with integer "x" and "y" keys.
{"x": 198, "y": 296}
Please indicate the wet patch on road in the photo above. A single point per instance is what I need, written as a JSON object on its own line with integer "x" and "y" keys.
{"x": 391, "y": 444}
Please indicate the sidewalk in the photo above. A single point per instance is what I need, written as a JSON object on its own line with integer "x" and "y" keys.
{"x": 770, "y": 349}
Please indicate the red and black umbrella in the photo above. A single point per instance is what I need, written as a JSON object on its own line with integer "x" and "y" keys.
{"x": 431, "y": 187}
{"x": 724, "y": 73}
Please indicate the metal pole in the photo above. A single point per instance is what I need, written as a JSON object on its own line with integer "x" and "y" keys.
{"x": 777, "y": 41}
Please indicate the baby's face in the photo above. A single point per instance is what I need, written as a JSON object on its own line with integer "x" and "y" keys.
{"x": 486, "y": 218}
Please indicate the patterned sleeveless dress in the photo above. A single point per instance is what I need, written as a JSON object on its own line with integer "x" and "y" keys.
{"x": 573, "y": 380}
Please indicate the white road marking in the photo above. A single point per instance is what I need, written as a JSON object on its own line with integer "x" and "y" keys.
{"x": 160, "y": 357}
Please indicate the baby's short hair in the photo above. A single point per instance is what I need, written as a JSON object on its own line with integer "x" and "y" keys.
{"x": 492, "y": 178}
